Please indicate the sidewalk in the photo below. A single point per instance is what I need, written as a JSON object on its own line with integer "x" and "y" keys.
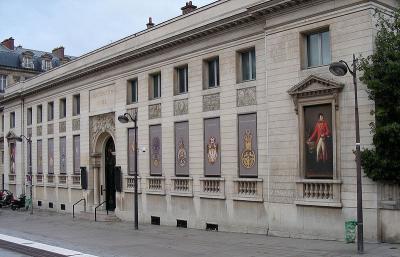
{"x": 120, "y": 239}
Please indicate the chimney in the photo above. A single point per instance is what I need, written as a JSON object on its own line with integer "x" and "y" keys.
{"x": 188, "y": 8}
{"x": 59, "y": 52}
{"x": 9, "y": 43}
{"x": 150, "y": 24}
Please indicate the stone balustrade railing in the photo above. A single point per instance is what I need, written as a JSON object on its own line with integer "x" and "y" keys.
{"x": 318, "y": 192}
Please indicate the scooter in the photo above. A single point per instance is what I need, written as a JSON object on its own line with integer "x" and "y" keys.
{"x": 18, "y": 203}
{"x": 5, "y": 198}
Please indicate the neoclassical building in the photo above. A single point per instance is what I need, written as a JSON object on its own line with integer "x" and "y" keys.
{"x": 241, "y": 126}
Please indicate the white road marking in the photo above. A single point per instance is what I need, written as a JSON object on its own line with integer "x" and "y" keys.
{"x": 45, "y": 247}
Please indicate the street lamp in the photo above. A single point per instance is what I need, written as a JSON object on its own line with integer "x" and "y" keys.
{"x": 340, "y": 69}
{"x": 29, "y": 140}
{"x": 125, "y": 118}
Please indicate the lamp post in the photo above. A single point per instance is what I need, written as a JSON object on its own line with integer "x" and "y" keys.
{"x": 125, "y": 118}
{"x": 340, "y": 69}
{"x": 29, "y": 140}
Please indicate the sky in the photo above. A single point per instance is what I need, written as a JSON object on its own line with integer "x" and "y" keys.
{"x": 81, "y": 25}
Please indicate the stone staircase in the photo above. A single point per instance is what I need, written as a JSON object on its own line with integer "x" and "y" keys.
{"x": 101, "y": 216}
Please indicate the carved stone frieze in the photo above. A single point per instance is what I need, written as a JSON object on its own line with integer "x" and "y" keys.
{"x": 154, "y": 111}
{"x": 76, "y": 124}
{"x": 211, "y": 102}
{"x": 246, "y": 96}
{"x": 62, "y": 126}
{"x": 132, "y": 111}
{"x": 181, "y": 107}
{"x": 29, "y": 132}
{"x": 50, "y": 129}
{"x": 38, "y": 131}
{"x": 99, "y": 124}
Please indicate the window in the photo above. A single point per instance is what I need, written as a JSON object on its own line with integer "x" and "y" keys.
{"x": 12, "y": 120}
{"x": 132, "y": 91}
{"x": 46, "y": 64}
{"x": 63, "y": 155}
{"x": 39, "y": 117}
{"x": 3, "y": 83}
{"x": 63, "y": 108}
{"x": 318, "y": 49}
{"x": 76, "y": 102}
{"x": 181, "y": 80}
{"x": 39, "y": 157}
{"x": 155, "y": 86}
{"x": 50, "y": 111}
{"x": 212, "y": 73}
{"x": 29, "y": 116}
{"x": 50, "y": 156}
{"x": 27, "y": 62}
{"x": 77, "y": 154}
{"x": 248, "y": 65}
{"x": 2, "y": 123}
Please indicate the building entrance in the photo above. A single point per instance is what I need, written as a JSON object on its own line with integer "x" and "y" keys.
{"x": 110, "y": 174}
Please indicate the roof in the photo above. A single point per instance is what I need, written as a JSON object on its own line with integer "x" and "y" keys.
{"x": 13, "y": 58}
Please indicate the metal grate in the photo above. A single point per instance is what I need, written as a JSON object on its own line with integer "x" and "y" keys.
{"x": 155, "y": 220}
{"x": 181, "y": 223}
{"x": 211, "y": 227}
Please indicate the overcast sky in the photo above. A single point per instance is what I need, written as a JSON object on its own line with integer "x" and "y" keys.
{"x": 81, "y": 25}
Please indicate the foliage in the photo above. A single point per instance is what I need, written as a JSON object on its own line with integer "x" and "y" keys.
{"x": 381, "y": 74}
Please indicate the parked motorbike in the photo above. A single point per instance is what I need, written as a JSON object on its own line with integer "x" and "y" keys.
{"x": 5, "y": 198}
{"x": 18, "y": 203}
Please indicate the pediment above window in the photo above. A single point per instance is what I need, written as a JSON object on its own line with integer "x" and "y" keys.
{"x": 46, "y": 56}
{"x": 11, "y": 136}
{"x": 314, "y": 86}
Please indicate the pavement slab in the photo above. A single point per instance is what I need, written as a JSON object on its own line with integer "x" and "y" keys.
{"x": 119, "y": 239}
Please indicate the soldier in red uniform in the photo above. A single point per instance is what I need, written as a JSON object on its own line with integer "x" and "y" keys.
{"x": 319, "y": 136}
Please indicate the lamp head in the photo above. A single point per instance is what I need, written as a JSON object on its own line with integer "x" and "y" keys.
{"x": 338, "y": 68}
{"x": 19, "y": 139}
{"x": 123, "y": 119}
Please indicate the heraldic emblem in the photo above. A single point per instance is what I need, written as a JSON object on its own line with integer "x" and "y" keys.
{"x": 155, "y": 155}
{"x": 248, "y": 156}
{"x": 182, "y": 155}
{"x": 212, "y": 150}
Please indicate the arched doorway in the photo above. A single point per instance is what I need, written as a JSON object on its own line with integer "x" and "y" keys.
{"x": 109, "y": 168}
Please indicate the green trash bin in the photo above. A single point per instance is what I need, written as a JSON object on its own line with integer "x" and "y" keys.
{"x": 350, "y": 231}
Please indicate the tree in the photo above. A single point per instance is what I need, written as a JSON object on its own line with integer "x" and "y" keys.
{"x": 381, "y": 74}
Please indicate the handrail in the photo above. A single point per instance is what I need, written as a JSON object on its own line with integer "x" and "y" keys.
{"x": 95, "y": 210}
{"x": 73, "y": 207}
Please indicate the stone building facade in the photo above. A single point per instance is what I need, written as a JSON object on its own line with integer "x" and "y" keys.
{"x": 240, "y": 124}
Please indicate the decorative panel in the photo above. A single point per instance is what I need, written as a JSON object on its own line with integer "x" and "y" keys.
{"x": 211, "y": 102}
{"x": 62, "y": 127}
{"x": 154, "y": 111}
{"x": 77, "y": 154}
{"x": 131, "y": 151}
{"x": 181, "y": 107}
{"x": 50, "y": 129}
{"x": 182, "y": 148}
{"x": 12, "y": 158}
{"x": 246, "y": 96}
{"x": 29, "y": 132}
{"x": 155, "y": 146}
{"x": 212, "y": 147}
{"x": 132, "y": 111}
{"x": 39, "y": 157}
{"x": 63, "y": 155}
{"x": 38, "y": 131}
{"x": 247, "y": 145}
{"x": 50, "y": 156}
{"x": 76, "y": 124}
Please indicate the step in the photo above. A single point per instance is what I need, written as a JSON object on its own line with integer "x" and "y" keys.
{"x": 101, "y": 216}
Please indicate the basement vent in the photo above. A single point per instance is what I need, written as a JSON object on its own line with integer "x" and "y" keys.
{"x": 63, "y": 207}
{"x": 39, "y": 203}
{"x": 181, "y": 223}
{"x": 211, "y": 227}
{"x": 50, "y": 205}
{"x": 155, "y": 220}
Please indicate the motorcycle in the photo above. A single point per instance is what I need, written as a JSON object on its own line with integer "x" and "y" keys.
{"x": 18, "y": 203}
{"x": 6, "y": 198}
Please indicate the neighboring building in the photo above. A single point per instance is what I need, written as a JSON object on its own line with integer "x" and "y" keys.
{"x": 240, "y": 124}
{"x": 18, "y": 64}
